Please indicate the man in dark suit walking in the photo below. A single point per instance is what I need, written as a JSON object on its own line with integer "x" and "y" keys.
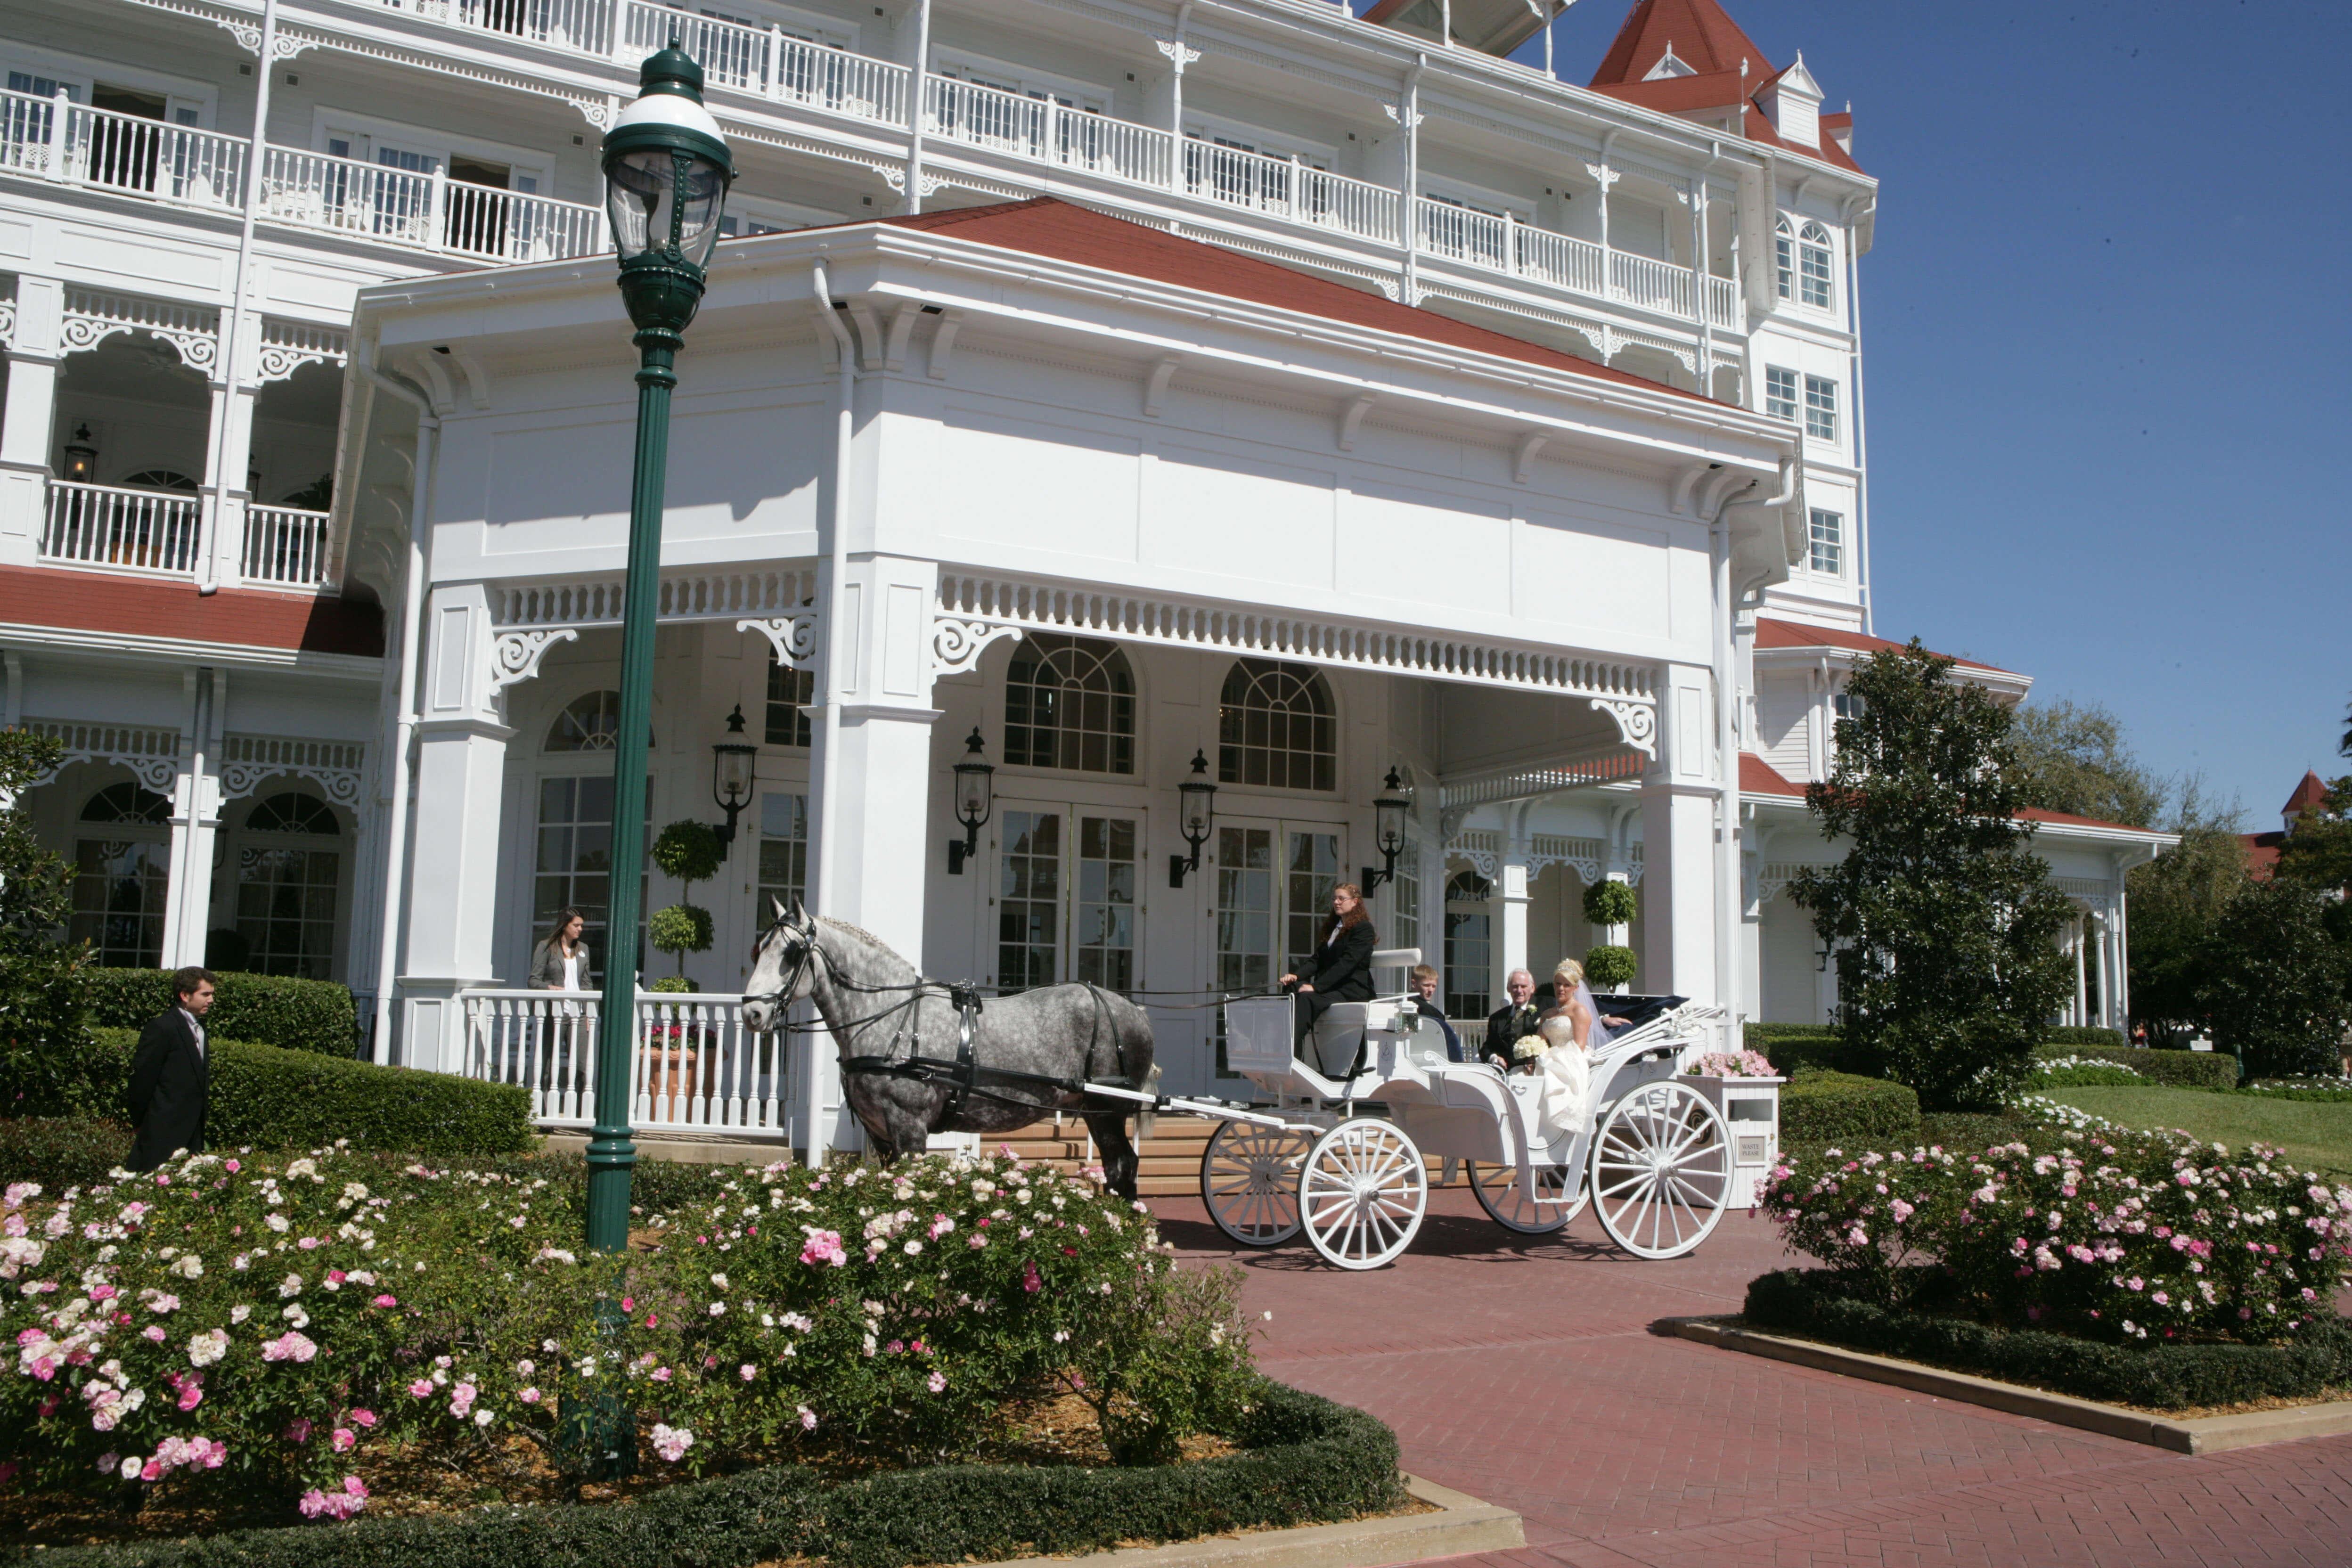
{"x": 1506, "y": 1027}
{"x": 170, "y": 1077}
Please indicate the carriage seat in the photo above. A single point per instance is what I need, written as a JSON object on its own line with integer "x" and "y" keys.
{"x": 1341, "y": 1029}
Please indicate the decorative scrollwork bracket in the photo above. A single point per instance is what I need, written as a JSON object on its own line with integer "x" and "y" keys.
{"x": 1637, "y": 722}
{"x": 957, "y": 645}
{"x": 792, "y": 636}
{"x": 515, "y": 656}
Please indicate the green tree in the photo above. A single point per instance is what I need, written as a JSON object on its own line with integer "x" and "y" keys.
{"x": 44, "y": 982}
{"x": 2174, "y": 903}
{"x": 2075, "y": 760}
{"x": 2273, "y": 980}
{"x": 691, "y": 852}
{"x": 2317, "y": 852}
{"x": 1943, "y": 921}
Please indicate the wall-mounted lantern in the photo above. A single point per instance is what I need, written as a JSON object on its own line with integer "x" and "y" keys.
{"x": 1388, "y": 813}
{"x": 975, "y": 797}
{"x": 1197, "y": 812}
{"x": 731, "y": 774}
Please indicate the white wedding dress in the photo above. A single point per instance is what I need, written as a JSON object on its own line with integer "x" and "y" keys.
{"x": 1564, "y": 1074}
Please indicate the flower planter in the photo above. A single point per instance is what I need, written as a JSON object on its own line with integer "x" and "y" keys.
{"x": 670, "y": 1074}
{"x": 1751, "y": 1109}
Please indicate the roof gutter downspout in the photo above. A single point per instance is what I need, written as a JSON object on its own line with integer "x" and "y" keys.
{"x": 837, "y": 571}
{"x": 918, "y": 91}
{"x": 1408, "y": 118}
{"x": 1861, "y": 439}
{"x": 412, "y": 628}
{"x": 1731, "y": 906}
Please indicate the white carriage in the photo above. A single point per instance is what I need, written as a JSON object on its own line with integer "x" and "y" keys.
{"x": 1654, "y": 1155}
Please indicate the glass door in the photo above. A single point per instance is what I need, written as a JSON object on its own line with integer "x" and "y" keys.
{"x": 1274, "y": 892}
{"x": 1067, "y": 884}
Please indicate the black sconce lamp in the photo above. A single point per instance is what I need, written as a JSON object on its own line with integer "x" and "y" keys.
{"x": 975, "y": 797}
{"x": 1388, "y": 831}
{"x": 731, "y": 774}
{"x": 81, "y": 458}
{"x": 1198, "y": 800}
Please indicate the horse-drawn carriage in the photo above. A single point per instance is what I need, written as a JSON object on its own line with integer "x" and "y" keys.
{"x": 919, "y": 1056}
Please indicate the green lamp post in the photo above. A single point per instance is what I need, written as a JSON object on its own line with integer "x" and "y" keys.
{"x": 666, "y": 177}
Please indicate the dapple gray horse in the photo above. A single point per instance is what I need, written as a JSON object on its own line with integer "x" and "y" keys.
{"x": 877, "y": 1006}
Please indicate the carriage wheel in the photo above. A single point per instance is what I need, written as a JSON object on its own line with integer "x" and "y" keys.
{"x": 1515, "y": 1207}
{"x": 1361, "y": 1193}
{"x": 1661, "y": 1169}
{"x": 1249, "y": 1179}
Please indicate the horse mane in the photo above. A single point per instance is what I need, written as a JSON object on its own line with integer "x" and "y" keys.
{"x": 858, "y": 932}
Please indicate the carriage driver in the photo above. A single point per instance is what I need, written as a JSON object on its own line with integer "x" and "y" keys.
{"x": 1340, "y": 970}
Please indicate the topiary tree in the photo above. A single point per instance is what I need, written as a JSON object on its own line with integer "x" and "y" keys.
{"x": 691, "y": 852}
{"x": 2272, "y": 982}
{"x": 1607, "y": 966}
{"x": 42, "y": 981}
{"x": 1943, "y": 919}
{"x": 1611, "y": 904}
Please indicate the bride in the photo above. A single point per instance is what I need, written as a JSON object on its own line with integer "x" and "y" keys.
{"x": 1571, "y": 1031}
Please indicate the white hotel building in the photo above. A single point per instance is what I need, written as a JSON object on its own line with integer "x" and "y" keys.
{"x": 1358, "y": 400}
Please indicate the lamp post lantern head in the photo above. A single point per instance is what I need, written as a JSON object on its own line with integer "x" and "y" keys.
{"x": 975, "y": 797}
{"x": 1388, "y": 813}
{"x": 732, "y": 774}
{"x": 667, "y": 170}
{"x": 1196, "y": 812}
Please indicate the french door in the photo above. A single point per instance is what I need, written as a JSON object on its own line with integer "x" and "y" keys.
{"x": 1067, "y": 901}
{"x": 1274, "y": 892}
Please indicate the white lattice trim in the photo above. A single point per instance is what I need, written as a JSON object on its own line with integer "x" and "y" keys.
{"x": 1482, "y": 847}
{"x": 1774, "y": 876}
{"x": 149, "y": 753}
{"x": 2091, "y": 893}
{"x": 685, "y": 596}
{"x": 1249, "y": 630}
{"x": 92, "y": 316}
{"x": 287, "y": 346}
{"x": 337, "y": 767}
{"x": 1589, "y": 856}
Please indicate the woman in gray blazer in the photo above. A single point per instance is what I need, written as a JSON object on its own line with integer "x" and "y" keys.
{"x": 561, "y": 963}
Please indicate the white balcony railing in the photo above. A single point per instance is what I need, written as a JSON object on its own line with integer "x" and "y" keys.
{"x": 693, "y": 1065}
{"x": 584, "y": 27}
{"x": 1653, "y": 284}
{"x": 284, "y": 545}
{"x": 149, "y": 531}
{"x": 122, "y": 152}
{"x": 1045, "y": 131}
{"x": 428, "y": 212}
{"x": 1289, "y": 189}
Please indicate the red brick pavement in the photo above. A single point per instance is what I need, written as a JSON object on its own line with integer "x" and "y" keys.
{"x": 1525, "y": 1372}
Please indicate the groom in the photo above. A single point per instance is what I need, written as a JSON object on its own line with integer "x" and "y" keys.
{"x": 170, "y": 1077}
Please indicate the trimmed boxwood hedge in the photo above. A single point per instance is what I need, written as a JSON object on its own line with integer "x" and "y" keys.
{"x": 273, "y": 1009}
{"x": 1305, "y": 1460}
{"x": 2162, "y": 1377}
{"x": 61, "y": 1152}
{"x": 2077, "y": 1035}
{"x": 1823, "y": 1107}
{"x": 2173, "y": 1070}
{"x": 272, "y": 1098}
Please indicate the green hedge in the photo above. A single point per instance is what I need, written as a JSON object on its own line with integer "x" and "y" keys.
{"x": 2173, "y": 1070}
{"x": 61, "y": 1152}
{"x": 2076, "y": 1035}
{"x": 272, "y": 1098}
{"x": 1818, "y": 1107}
{"x": 2162, "y": 1377}
{"x": 1305, "y": 1460}
{"x": 1793, "y": 1047}
{"x": 1971, "y": 1129}
{"x": 273, "y": 1009}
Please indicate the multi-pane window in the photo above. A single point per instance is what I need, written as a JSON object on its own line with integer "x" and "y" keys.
{"x": 1104, "y": 920}
{"x": 1814, "y": 266}
{"x": 1828, "y": 542}
{"x": 1069, "y": 702}
{"x": 1469, "y": 951}
{"x": 790, "y": 692}
{"x": 588, "y": 725}
{"x": 575, "y": 867}
{"x": 1846, "y": 706}
{"x": 1310, "y": 870}
{"x": 286, "y": 891}
{"x": 1784, "y": 245}
{"x": 1779, "y": 392}
{"x": 1275, "y": 726}
{"x": 1029, "y": 902}
{"x": 1820, "y": 408}
{"x": 120, "y": 880}
{"x": 783, "y": 853}
{"x": 1405, "y": 897}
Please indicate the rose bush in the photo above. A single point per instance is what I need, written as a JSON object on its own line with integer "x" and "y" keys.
{"x": 246, "y": 1323}
{"x": 2088, "y": 1229}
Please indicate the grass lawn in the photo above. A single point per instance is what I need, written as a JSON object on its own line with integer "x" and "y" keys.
{"x": 2316, "y": 1135}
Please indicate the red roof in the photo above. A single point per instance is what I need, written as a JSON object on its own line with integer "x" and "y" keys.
{"x": 1757, "y": 776}
{"x": 1772, "y": 633}
{"x": 234, "y": 617}
{"x": 1702, "y": 34}
{"x": 2307, "y": 794}
{"x": 2068, "y": 819}
{"x": 2262, "y": 853}
{"x": 1045, "y": 225}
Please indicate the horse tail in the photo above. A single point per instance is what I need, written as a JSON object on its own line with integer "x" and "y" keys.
{"x": 1147, "y": 1119}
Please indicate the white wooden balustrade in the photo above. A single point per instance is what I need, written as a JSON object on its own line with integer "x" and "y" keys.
{"x": 97, "y": 525}
{"x": 124, "y": 152}
{"x": 427, "y": 212}
{"x": 693, "y": 1068}
{"x": 284, "y": 544}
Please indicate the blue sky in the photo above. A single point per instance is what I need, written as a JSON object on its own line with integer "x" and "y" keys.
{"x": 2107, "y": 337}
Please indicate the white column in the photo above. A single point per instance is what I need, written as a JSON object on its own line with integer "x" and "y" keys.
{"x": 195, "y": 820}
{"x": 1506, "y": 919}
{"x": 2101, "y": 969}
{"x": 1678, "y": 808}
{"x": 28, "y": 427}
{"x": 2082, "y": 998}
{"x": 453, "y": 888}
{"x": 2123, "y": 961}
{"x": 227, "y": 454}
{"x": 871, "y": 830}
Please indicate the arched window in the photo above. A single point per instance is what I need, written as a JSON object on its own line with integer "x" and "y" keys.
{"x": 286, "y": 893}
{"x": 160, "y": 480}
{"x": 292, "y": 812}
{"x": 1069, "y": 702}
{"x": 1814, "y": 266}
{"x": 1469, "y": 949}
{"x": 1275, "y": 726}
{"x": 589, "y": 724}
{"x": 127, "y": 803}
{"x": 121, "y": 876}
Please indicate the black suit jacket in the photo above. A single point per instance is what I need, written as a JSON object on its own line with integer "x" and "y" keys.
{"x": 171, "y": 1085}
{"x": 1507, "y": 1025}
{"x": 1343, "y": 968}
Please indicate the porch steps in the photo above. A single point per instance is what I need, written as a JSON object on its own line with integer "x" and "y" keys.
{"x": 1169, "y": 1163}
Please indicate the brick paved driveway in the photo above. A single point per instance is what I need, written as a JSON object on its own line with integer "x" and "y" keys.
{"x": 1523, "y": 1372}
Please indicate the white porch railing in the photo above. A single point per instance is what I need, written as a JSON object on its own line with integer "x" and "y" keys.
{"x": 104, "y": 150}
{"x": 1653, "y": 284}
{"x": 1287, "y": 188}
{"x": 95, "y": 525}
{"x": 584, "y": 27}
{"x": 1045, "y": 131}
{"x": 693, "y": 1068}
{"x": 428, "y": 212}
{"x": 284, "y": 544}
